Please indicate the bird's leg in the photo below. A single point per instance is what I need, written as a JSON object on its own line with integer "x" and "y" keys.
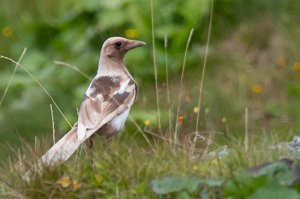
{"x": 109, "y": 138}
{"x": 89, "y": 144}
{"x": 108, "y": 132}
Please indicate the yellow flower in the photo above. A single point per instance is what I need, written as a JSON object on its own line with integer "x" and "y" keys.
{"x": 280, "y": 62}
{"x": 224, "y": 120}
{"x": 76, "y": 185}
{"x": 195, "y": 167}
{"x": 296, "y": 66}
{"x": 257, "y": 89}
{"x": 7, "y": 31}
{"x": 131, "y": 33}
{"x": 64, "y": 181}
{"x": 147, "y": 122}
{"x": 196, "y": 109}
{"x": 180, "y": 119}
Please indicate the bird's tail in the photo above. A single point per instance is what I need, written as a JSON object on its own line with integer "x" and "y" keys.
{"x": 58, "y": 153}
{"x": 64, "y": 148}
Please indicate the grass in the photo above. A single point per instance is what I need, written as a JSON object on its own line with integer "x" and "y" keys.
{"x": 248, "y": 119}
{"x": 125, "y": 168}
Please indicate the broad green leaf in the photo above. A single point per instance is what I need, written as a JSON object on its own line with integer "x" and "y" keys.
{"x": 212, "y": 182}
{"x": 171, "y": 184}
{"x": 205, "y": 195}
{"x": 275, "y": 191}
{"x": 183, "y": 195}
{"x": 279, "y": 171}
{"x": 243, "y": 184}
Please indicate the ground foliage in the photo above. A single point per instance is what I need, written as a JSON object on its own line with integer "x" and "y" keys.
{"x": 251, "y": 90}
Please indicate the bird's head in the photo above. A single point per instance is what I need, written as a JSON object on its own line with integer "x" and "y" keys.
{"x": 116, "y": 47}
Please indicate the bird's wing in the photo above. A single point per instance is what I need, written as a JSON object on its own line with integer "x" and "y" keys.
{"x": 106, "y": 98}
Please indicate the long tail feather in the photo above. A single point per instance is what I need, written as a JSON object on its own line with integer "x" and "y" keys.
{"x": 58, "y": 153}
{"x": 63, "y": 149}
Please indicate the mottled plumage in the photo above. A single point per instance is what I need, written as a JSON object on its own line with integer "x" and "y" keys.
{"x": 105, "y": 95}
{"x": 105, "y": 106}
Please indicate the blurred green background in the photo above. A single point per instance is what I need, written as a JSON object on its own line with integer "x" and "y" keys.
{"x": 253, "y": 62}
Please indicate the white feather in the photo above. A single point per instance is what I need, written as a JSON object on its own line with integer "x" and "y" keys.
{"x": 119, "y": 121}
{"x": 81, "y": 131}
{"x": 89, "y": 91}
{"x": 123, "y": 87}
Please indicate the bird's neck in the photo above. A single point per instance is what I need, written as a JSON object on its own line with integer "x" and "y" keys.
{"x": 111, "y": 67}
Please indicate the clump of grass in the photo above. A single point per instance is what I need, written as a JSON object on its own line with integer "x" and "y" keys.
{"x": 126, "y": 167}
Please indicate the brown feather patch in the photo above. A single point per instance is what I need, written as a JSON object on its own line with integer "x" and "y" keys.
{"x": 105, "y": 86}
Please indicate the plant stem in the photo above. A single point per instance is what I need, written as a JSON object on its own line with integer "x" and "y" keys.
{"x": 155, "y": 66}
{"x": 203, "y": 74}
{"x": 181, "y": 84}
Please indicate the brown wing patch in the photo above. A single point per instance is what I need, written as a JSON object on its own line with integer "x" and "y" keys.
{"x": 105, "y": 85}
{"x": 131, "y": 82}
{"x": 116, "y": 101}
{"x": 119, "y": 98}
{"x": 102, "y": 104}
{"x": 94, "y": 103}
{"x": 89, "y": 109}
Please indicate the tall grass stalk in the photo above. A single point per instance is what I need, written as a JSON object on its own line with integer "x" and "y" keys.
{"x": 20, "y": 160}
{"x": 203, "y": 75}
{"x": 40, "y": 85}
{"x": 155, "y": 66}
{"x": 72, "y": 67}
{"x": 53, "y": 124}
{"x": 162, "y": 137}
{"x": 181, "y": 84}
{"x": 167, "y": 82}
{"x": 10, "y": 164}
{"x": 12, "y": 76}
{"x": 246, "y": 140}
{"x": 142, "y": 132}
{"x": 35, "y": 144}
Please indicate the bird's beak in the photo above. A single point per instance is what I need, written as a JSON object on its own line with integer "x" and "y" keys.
{"x": 133, "y": 44}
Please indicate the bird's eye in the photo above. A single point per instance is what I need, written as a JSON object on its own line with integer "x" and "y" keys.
{"x": 118, "y": 44}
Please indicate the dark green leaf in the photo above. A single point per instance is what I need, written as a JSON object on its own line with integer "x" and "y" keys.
{"x": 172, "y": 184}
{"x": 212, "y": 182}
{"x": 183, "y": 195}
{"x": 275, "y": 191}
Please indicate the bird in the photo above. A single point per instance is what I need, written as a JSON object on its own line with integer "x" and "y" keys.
{"x": 105, "y": 106}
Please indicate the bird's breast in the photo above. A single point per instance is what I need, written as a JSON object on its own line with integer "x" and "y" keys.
{"x": 118, "y": 122}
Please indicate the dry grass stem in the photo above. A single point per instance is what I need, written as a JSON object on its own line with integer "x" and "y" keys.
{"x": 203, "y": 73}
{"x": 35, "y": 144}
{"x": 53, "y": 124}
{"x": 20, "y": 163}
{"x": 40, "y": 85}
{"x": 181, "y": 84}
{"x": 155, "y": 67}
{"x": 12, "y": 76}
{"x": 167, "y": 82}
{"x": 246, "y": 140}
{"x": 142, "y": 132}
{"x": 72, "y": 67}
{"x": 10, "y": 164}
